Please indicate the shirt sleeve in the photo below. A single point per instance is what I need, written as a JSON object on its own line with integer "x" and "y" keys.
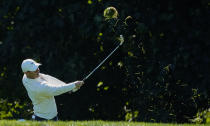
{"x": 52, "y": 80}
{"x": 48, "y": 89}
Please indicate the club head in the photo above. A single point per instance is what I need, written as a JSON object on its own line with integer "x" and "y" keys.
{"x": 121, "y": 39}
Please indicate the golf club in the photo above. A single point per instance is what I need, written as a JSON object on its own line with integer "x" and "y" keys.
{"x": 121, "y": 42}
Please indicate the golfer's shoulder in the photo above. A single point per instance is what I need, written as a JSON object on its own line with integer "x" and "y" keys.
{"x": 34, "y": 86}
{"x": 45, "y": 76}
{"x": 24, "y": 79}
{"x": 29, "y": 82}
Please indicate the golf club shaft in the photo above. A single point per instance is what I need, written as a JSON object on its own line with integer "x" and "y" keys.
{"x": 102, "y": 62}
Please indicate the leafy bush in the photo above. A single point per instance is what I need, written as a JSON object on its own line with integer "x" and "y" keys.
{"x": 202, "y": 117}
{"x": 14, "y": 110}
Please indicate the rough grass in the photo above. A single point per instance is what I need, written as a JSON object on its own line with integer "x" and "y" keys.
{"x": 88, "y": 123}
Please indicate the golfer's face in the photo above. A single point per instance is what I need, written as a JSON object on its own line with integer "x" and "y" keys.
{"x": 34, "y": 74}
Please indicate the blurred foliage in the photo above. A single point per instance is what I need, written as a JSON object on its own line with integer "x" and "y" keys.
{"x": 160, "y": 74}
{"x": 15, "y": 109}
{"x": 202, "y": 117}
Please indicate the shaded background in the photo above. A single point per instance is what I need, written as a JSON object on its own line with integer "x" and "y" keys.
{"x": 160, "y": 74}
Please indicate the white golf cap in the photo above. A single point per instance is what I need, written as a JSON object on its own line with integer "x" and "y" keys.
{"x": 29, "y": 65}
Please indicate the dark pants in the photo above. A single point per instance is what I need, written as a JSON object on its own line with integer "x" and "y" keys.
{"x": 37, "y": 118}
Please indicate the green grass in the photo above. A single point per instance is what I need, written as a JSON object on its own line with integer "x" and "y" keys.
{"x": 88, "y": 123}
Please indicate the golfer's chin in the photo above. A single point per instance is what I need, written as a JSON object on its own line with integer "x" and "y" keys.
{"x": 36, "y": 76}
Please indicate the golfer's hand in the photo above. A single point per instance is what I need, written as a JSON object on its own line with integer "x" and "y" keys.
{"x": 78, "y": 84}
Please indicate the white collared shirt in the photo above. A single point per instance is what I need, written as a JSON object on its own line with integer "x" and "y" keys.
{"x": 42, "y": 90}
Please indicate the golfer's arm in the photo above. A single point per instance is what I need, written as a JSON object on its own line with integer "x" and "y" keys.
{"x": 54, "y": 90}
{"x": 53, "y": 80}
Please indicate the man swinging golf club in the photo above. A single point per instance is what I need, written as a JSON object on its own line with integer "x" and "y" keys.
{"x": 42, "y": 88}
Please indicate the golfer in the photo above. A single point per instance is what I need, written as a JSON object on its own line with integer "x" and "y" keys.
{"x": 42, "y": 88}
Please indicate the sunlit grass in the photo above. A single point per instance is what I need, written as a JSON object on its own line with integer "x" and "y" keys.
{"x": 88, "y": 123}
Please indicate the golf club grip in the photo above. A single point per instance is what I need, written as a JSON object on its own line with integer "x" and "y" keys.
{"x": 101, "y": 63}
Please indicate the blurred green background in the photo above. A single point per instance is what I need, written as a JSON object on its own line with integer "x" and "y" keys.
{"x": 160, "y": 74}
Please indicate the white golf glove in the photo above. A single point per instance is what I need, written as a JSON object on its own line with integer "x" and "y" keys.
{"x": 78, "y": 84}
{"x": 75, "y": 89}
